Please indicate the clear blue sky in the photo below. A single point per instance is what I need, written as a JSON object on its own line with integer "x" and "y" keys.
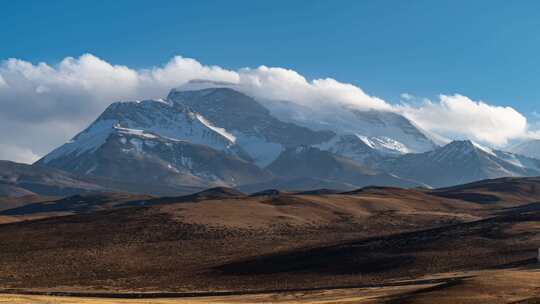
{"x": 487, "y": 50}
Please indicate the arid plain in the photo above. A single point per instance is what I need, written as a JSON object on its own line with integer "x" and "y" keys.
{"x": 475, "y": 243}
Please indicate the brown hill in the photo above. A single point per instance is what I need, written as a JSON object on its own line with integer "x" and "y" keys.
{"x": 221, "y": 240}
{"x": 504, "y": 191}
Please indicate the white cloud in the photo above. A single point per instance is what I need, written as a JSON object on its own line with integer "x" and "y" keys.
{"x": 17, "y": 154}
{"x": 284, "y": 84}
{"x": 180, "y": 70}
{"x": 44, "y": 105}
{"x": 457, "y": 116}
{"x": 75, "y": 91}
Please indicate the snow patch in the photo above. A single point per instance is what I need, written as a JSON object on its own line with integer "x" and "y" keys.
{"x": 384, "y": 144}
{"x": 140, "y": 133}
{"x": 218, "y": 130}
{"x": 485, "y": 149}
{"x": 88, "y": 141}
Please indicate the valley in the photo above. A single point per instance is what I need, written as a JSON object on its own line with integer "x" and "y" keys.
{"x": 222, "y": 240}
{"x": 207, "y": 195}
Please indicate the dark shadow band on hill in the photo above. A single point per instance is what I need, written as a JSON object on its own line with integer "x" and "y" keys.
{"x": 372, "y": 255}
{"x": 328, "y": 261}
{"x": 478, "y": 198}
{"x": 520, "y": 209}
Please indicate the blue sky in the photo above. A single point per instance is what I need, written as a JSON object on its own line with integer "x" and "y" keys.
{"x": 487, "y": 50}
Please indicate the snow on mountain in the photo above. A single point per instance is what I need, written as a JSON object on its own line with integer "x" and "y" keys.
{"x": 393, "y": 126}
{"x": 387, "y": 132}
{"x": 254, "y": 129}
{"x": 138, "y": 156}
{"x": 530, "y": 148}
{"x": 359, "y": 148}
{"x": 157, "y": 141}
{"x": 518, "y": 160}
{"x": 385, "y": 144}
{"x": 460, "y": 162}
{"x": 164, "y": 119}
{"x": 197, "y": 138}
{"x": 217, "y": 136}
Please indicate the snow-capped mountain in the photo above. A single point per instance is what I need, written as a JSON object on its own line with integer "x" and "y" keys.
{"x": 460, "y": 162}
{"x": 386, "y": 132}
{"x": 158, "y": 117}
{"x": 207, "y": 137}
{"x": 529, "y": 148}
{"x": 218, "y": 136}
{"x": 137, "y": 156}
{"x": 220, "y": 118}
{"x": 156, "y": 141}
{"x": 359, "y": 148}
{"x": 248, "y": 124}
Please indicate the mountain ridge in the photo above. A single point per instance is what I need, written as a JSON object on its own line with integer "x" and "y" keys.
{"x": 219, "y": 136}
{"x": 458, "y": 162}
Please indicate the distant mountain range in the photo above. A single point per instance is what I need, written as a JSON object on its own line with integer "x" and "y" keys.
{"x": 212, "y": 134}
{"x": 530, "y": 148}
{"x": 460, "y": 162}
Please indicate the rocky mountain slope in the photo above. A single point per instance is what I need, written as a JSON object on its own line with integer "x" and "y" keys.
{"x": 306, "y": 161}
{"x": 530, "y": 148}
{"x": 460, "y": 162}
{"x": 384, "y": 131}
{"x": 204, "y": 138}
{"x": 21, "y": 179}
{"x": 214, "y": 135}
{"x": 156, "y": 142}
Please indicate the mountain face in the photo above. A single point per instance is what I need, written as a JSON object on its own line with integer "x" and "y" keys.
{"x": 460, "y": 162}
{"x": 392, "y": 132}
{"x": 220, "y": 137}
{"x": 138, "y": 156}
{"x": 158, "y": 117}
{"x": 7, "y": 190}
{"x": 359, "y": 148}
{"x": 203, "y": 138}
{"x": 311, "y": 162}
{"x": 249, "y": 124}
{"x": 21, "y": 180}
{"x": 384, "y": 131}
{"x": 529, "y": 148}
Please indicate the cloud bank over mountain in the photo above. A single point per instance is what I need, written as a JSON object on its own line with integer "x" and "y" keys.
{"x": 43, "y": 105}
{"x": 457, "y": 116}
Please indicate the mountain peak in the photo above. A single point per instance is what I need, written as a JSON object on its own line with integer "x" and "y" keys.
{"x": 200, "y": 84}
{"x": 529, "y": 148}
{"x": 217, "y": 101}
{"x": 466, "y": 146}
